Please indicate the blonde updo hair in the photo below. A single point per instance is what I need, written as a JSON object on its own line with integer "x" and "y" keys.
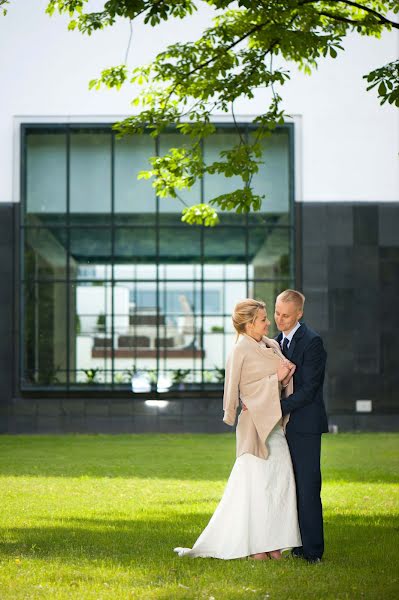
{"x": 245, "y": 312}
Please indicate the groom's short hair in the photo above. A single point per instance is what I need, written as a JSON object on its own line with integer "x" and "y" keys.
{"x": 292, "y": 296}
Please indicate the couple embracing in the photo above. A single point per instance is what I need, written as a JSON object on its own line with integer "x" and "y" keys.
{"x": 272, "y": 498}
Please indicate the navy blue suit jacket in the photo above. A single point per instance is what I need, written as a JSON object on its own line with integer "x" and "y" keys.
{"x": 306, "y": 405}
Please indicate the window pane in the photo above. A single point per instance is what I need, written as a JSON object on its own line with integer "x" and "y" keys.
{"x": 135, "y": 271}
{"x": 147, "y": 293}
{"x": 179, "y": 271}
{"x": 189, "y": 197}
{"x": 90, "y": 178}
{"x": 90, "y": 245}
{"x": 45, "y": 333}
{"x": 91, "y": 330}
{"x": 135, "y": 245}
{"x": 233, "y": 293}
{"x": 215, "y": 185}
{"x": 180, "y": 244}
{"x": 45, "y": 253}
{"x": 46, "y": 172}
{"x": 132, "y": 155}
{"x": 223, "y": 245}
{"x": 272, "y": 179}
{"x": 268, "y": 292}
{"x": 225, "y": 271}
{"x": 269, "y": 253}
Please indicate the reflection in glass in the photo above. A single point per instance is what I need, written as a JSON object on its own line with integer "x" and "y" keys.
{"x": 133, "y": 195}
{"x": 135, "y": 245}
{"x": 185, "y": 197}
{"x": 215, "y": 185}
{"x": 46, "y": 172}
{"x": 45, "y": 349}
{"x": 90, "y": 245}
{"x": 269, "y": 252}
{"x": 45, "y": 253}
{"x": 143, "y": 293}
{"x": 224, "y": 245}
{"x": 273, "y": 177}
{"x": 135, "y": 272}
{"x": 225, "y": 271}
{"x": 91, "y": 331}
{"x": 90, "y": 172}
{"x": 178, "y": 242}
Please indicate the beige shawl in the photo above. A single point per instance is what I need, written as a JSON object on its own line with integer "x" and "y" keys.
{"x": 251, "y": 376}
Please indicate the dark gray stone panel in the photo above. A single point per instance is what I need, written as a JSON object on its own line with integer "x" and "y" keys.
{"x": 97, "y": 424}
{"x": 73, "y": 423}
{"x": 97, "y": 407}
{"x": 25, "y": 407}
{"x": 49, "y": 425}
{"x": 369, "y": 422}
{"x": 340, "y": 267}
{"x": 316, "y": 309}
{"x": 314, "y": 223}
{"x": 365, "y": 267}
{"x": 341, "y": 310}
{"x": 340, "y": 224}
{"x": 316, "y": 273}
{"x": 74, "y": 408}
{"x": 388, "y": 232}
{"x": 365, "y": 224}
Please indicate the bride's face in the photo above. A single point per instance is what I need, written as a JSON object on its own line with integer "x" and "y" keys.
{"x": 260, "y": 327}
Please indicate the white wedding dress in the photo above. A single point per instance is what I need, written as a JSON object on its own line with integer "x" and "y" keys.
{"x": 258, "y": 511}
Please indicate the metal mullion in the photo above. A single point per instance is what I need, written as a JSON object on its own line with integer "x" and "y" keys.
{"x": 157, "y": 258}
{"x": 202, "y": 281}
{"x": 112, "y": 255}
{"x": 224, "y": 315}
{"x": 246, "y": 236}
{"x": 68, "y": 265}
{"x": 296, "y": 281}
{"x": 23, "y": 178}
{"x": 161, "y": 280}
{"x": 164, "y": 348}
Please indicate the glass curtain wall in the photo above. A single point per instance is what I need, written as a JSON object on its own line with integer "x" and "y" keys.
{"x": 114, "y": 285}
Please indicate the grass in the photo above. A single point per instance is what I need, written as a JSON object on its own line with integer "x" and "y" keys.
{"x": 96, "y": 517}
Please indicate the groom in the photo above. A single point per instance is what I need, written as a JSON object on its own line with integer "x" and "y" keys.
{"x": 308, "y": 419}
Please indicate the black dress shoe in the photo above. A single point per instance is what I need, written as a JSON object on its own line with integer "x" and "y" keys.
{"x": 312, "y": 560}
{"x": 297, "y": 553}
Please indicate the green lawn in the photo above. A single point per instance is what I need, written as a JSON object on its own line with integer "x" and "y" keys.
{"x": 98, "y": 516}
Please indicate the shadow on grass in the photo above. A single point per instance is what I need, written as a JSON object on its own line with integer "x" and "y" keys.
{"x": 353, "y": 539}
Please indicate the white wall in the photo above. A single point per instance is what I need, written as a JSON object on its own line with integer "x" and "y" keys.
{"x": 347, "y": 145}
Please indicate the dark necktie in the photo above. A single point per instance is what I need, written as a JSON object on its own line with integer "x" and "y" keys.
{"x": 285, "y": 346}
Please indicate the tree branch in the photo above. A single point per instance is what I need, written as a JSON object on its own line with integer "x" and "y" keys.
{"x": 338, "y": 18}
{"x": 227, "y": 48}
{"x": 383, "y": 20}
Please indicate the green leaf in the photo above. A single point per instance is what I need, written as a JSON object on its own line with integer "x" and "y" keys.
{"x": 382, "y": 89}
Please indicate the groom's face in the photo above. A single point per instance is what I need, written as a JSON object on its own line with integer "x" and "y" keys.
{"x": 286, "y": 315}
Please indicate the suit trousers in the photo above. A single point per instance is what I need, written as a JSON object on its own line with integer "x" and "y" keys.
{"x": 305, "y": 455}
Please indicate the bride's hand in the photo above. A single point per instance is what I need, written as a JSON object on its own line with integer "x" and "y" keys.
{"x": 286, "y": 379}
{"x": 283, "y": 370}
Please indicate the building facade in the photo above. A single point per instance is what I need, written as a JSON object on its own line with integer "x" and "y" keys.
{"x": 115, "y": 316}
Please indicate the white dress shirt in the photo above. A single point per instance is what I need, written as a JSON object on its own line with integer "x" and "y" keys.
{"x": 289, "y": 335}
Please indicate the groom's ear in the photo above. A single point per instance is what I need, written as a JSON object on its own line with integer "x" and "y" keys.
{"x": 300, "y": 315}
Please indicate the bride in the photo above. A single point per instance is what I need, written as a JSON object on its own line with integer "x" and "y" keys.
{"x": 257, "y": 515}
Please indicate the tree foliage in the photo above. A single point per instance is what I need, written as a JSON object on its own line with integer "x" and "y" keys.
{"x": 187, "y": 82}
